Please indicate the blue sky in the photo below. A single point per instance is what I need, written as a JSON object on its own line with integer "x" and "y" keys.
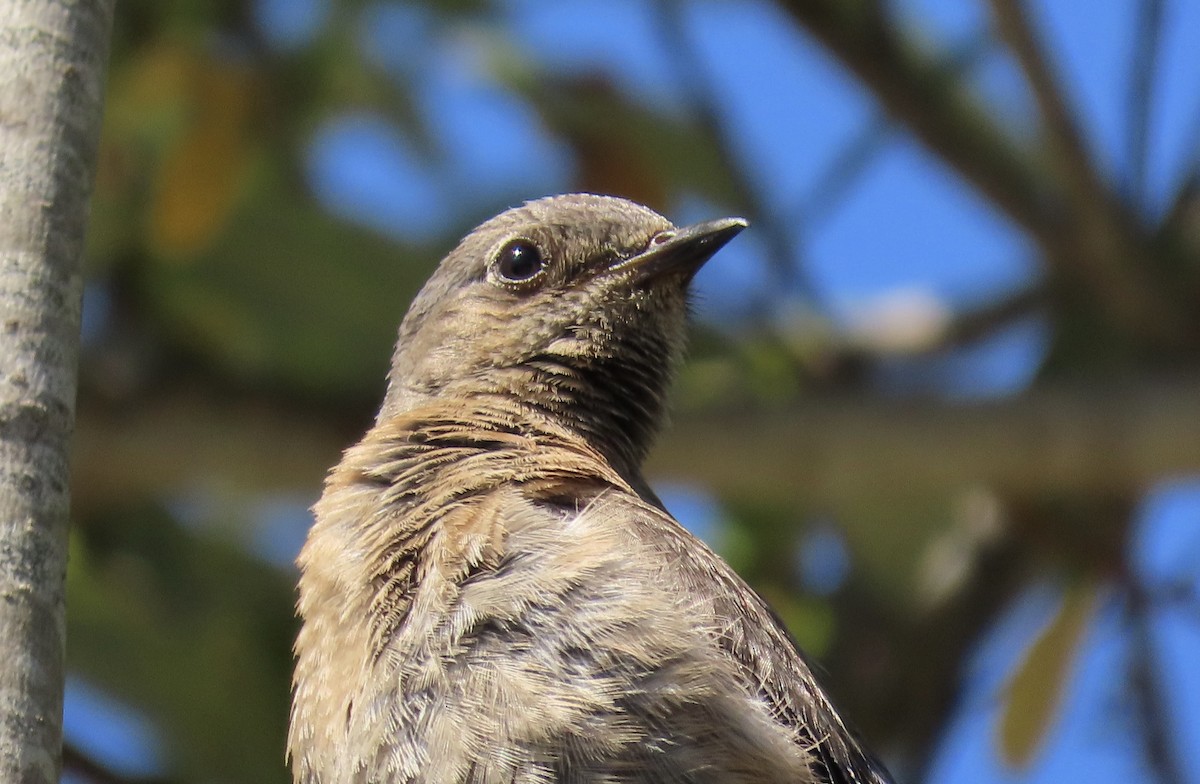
{"x": 907, "y": 224}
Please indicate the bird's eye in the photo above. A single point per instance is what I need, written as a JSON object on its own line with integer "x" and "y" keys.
{"x": 519, "y": 261}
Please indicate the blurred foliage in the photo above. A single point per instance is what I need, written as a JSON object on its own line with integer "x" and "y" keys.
{"x": 244, "y": 329}
{"x": 190, "y": 629}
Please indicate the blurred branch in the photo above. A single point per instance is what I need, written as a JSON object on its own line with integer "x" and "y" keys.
{"x": 1185, "y": 206}
{"x": 78, "y": 763}
{"x": 1149, "y": 692}
{"x": 1070, "y": 438}
{"x": 918, "y": 92}
{"x": 1142, "y": 66}
{"x": 844, "y": 168}
{"x": 975, "y": 325}
{"x": 177, "y": 439}
{"x": 850, "y": 162}
{"x": 926, "y": 329}
{"x": 941, "y": 111}
{"x": 1068, "y": 146}
{"x": 694, "y": 76}
{"x": 1108, "y": 251}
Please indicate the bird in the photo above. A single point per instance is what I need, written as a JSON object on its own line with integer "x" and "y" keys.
{"x": 492, "y": 592}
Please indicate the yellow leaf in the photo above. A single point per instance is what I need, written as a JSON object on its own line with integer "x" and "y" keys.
{"x": 198, "y": 182}
{"x": 1036, "y": 689}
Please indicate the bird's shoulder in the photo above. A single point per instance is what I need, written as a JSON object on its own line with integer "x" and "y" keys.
{"x": 769, "y": 663}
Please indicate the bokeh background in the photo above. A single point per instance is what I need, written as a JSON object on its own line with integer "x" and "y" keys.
{"x": 942, "y": 405}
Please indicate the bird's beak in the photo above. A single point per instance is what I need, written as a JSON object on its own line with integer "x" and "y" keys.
{"x": 683, "y": 250}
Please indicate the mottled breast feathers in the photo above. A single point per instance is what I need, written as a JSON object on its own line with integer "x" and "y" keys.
{"x": 512, "y": 611}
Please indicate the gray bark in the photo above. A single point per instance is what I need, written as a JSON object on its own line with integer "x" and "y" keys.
{"x": 52, "y": 60}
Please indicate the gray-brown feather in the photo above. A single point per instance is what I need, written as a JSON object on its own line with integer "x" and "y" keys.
{"x": 530, "y": 639}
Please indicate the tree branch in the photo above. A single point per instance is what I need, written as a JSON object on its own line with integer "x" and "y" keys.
{"x": 850, "y": 162}
{"x": 1140, "y": 98}
{"x": 922, "y": 333}
{"x": 1149, "y": 692}
{"x": 53, "y": 56}
{"x": 1067, "y": 439}
{"x": 1068, "y": 146}
{"x": 1108, "y": 249}
{"x": 76, "y": 761}
{"x": 943, "y": 114}
{"x": 916, "y": 90}
{"x": 693, "y": 75}
{"x": 1185, "y": 206}
{"x": 974, "y": 325}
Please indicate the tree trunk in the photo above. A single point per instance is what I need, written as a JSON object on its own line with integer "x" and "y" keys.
{"x": 52, "y": 59}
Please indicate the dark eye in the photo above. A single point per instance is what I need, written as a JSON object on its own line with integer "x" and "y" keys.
{"x": 519, "y": 261}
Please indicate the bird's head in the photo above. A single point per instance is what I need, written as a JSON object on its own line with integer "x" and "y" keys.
{"x": 576, "y": 304}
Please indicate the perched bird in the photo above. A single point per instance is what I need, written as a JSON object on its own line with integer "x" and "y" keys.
{"x": 492, "y": 593}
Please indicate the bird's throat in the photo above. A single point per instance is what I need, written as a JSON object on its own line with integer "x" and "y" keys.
{"x": 614, "y": 406}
